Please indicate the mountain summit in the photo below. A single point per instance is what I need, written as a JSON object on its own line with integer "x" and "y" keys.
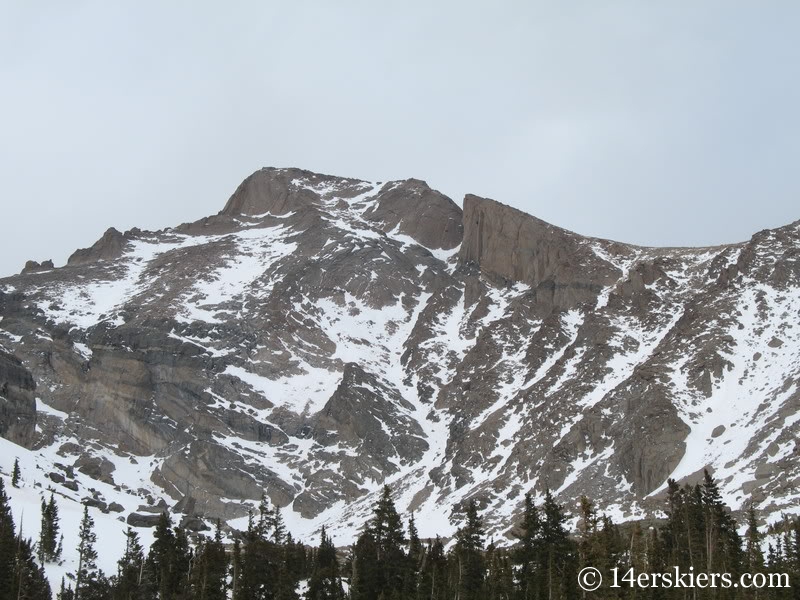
{"x": 322, "y": 336}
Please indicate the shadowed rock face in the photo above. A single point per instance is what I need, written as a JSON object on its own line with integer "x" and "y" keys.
{"x": 322, "y": 335}
{"x": 17, "y": 404}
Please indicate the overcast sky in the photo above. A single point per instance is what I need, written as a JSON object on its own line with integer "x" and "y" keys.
{"x": 675, "y": 124}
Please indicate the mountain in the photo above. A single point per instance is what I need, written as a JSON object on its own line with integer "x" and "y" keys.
{"x": 322, "y": 336}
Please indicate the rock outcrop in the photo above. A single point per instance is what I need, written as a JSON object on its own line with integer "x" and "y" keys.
{"x": 562, "y": 267}
{"x": 17, "y": 403}
{"x": 322, "y": 336}
{"x": 108, "y": 247}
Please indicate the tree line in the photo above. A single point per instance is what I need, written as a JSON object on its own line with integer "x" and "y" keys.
{"x": 389, "y": 561}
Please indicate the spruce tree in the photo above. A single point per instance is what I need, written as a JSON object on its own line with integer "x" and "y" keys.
{"x": 209, "y": 575}
{"x": 49, "y": 547}
{"x": 526, "y": 555}
{"x": 325, "y": 583}
{"x": 557, "y": 560}
{"x": 754, "y": 558}
{"x": 8, "y": 546}
{"x": 15, "y": 474}
{"x": 469, "y": 555}
{"x": 90, "y": 583}
{"x": 386, "y": 531}
{"x": 365, "y": 579}
{"x": 30, "y": 581}
{"x": 433, "y": 584}
{"x": 130, "y": 569}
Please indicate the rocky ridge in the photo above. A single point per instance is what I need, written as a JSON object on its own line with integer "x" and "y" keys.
{"x": 322, "y": 336}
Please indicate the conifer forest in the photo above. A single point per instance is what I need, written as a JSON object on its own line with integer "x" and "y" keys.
{"x": 389, "y": 561}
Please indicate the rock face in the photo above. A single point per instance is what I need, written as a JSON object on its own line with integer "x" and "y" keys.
{"x": 322, "y": 336}
{"x": 108, "y": 247}
{"x": 561, "y": 267}
{"x": 17, "y": 404}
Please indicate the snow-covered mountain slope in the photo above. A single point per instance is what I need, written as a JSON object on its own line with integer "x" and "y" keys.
{"x": 322, "y": 336}
{"x": 35, "y": 486}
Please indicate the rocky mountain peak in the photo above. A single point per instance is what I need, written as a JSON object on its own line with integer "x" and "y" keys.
{"x": 277, "y": 191}
{"x": 322, "y": 336}
{"x": 108, "y": 247}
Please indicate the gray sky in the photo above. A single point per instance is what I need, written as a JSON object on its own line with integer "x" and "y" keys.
{"x": 672, "y": 123}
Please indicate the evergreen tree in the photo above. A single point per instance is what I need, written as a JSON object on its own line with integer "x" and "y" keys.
{"x": 469, "y": 556}
{"x": 8, "y": 545}
{"x": 130, "y": 569}
{"x": 30, "y": 581}
{"x": 15, "y": 474}
{"x": 413, "y": 561}
{"x": 499, "y": 576}
{"x": 161, "y": 551}
{"x": 209, "y": 575}
{"x": 90, "y": 583}
{"x": 433, "y": 584}
{"x": 325, "y": 583}
{"x": 49, "y": 547}
{"x": 169, "y": 560}
{"x": 526, "y": 555}
{"x": 557, "y": 559}
{"x": 278, "y": 526}
{"x": 380, "y": 564}
{"x": 65, "y": 592}
{"x": 365, "y": 578}
{"x": 754, "y": 558}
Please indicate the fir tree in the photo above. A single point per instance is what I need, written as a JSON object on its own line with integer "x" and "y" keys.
{"x": 15, "y": 474}
{"x": 365, "y": 578}
{"x": 388, "y": 537}
{"x": 209, "y": 574}
{"x": 526, "y": 555}
{"x": 557, "y": 560}
{"x": 30, "y": 582}
{"x": 433, "y": 583}
{"x": 325, "y": 583}
{"x": 90, "y": 584}
{"x": 130, "y": 569}
{"x": 754, "y": 558}
{"x": 469, "y": 555}
{"x": 8, "y": 544}
{"x": 49, "y": 547}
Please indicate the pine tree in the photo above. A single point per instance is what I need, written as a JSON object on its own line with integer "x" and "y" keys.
{"x": 209, "y": 574}
{"x": 169, "y": 560}
{"x": 30, "y": 581}
{"x": 130, "y": 569}
{"x": 8, "y": 545}
{"x": 433, "y": 573}
{"x": 15, "y": 474}
{"x": 388, "y": 537}
{"x": 325, "y": 583}
{"x": 526, "y": 555}
{"x": 557, "y": 560}
{"x": 278, "y": 526}
{"x": 266, "y": 520}
{"x": 49, "y": 547}
{"x": 365, "y": 578}
{"x": 159, "y": 558}
{"x": 754, "y": 558}
{"x": 415, "y": 554}
{"x": 90, "y": 583}
{"x": 469, "y": 555}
